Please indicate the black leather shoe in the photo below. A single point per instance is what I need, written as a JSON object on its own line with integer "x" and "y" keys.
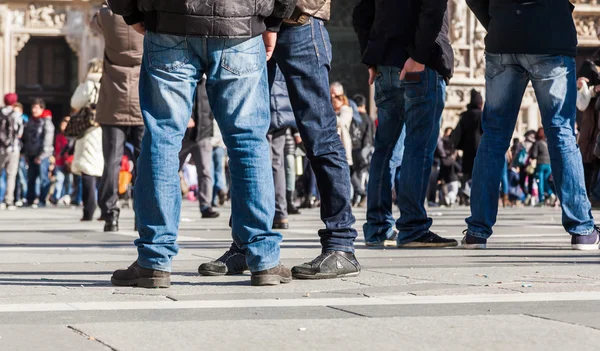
{"x": 111, "y": 226}
{"x": 232, "y": 262}
{"x": 330, "y": 264}
{"x": 210, "y": 213}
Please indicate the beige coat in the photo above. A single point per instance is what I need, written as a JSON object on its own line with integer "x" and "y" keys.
{"x": 344, "y": 121}
{"x": 119, "y": 101}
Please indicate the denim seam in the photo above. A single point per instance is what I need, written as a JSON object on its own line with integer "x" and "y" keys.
{"x": 312, "y": 33}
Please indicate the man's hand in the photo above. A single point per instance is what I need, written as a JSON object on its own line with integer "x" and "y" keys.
{"x": 270, "y": 39}
{"x": 298, "y": 139}
{"x": 191, "y": 123}
{"x": 38, "y": 161}
{"x": 372, "y": 74}
{"x": 580, "y": 82}
{"x": 411, "y": 66}
{"x": 139, "y": 27}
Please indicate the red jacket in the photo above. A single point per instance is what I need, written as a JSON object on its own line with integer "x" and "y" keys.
{"x": 59, "y": 145}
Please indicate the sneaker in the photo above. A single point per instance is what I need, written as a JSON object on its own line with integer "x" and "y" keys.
{"x": 281, "y": 223}
{"x": 11, "y": 207}
{"x": 328, "y": 265}
{"x": 141, "y": 277}
{"x": 3, "y": 206}
{"x": 586, "y": 242}
{"x": 232, "y": 262}
{"x": 470, "y": 242}
{"x": 385, "y": 243}
{"x": 19, "y": 203}
{"x": 111, "y": 226}
{"x": 273, "y": 276}
{"x": 430, "y": 239}
{"x": 210, "y": 213}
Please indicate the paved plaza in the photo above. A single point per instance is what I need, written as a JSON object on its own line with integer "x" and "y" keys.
{"x": 528, "y": 291}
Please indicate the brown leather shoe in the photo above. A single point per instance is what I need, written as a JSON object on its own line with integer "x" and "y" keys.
{"x": 141, "y": 277}
{"x": 273, "y": 276}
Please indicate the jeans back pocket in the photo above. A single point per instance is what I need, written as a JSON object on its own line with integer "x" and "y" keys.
{"x": 243, "y": 56}
{"x": 416, "y": 85}
{"x": 166, "y": 52}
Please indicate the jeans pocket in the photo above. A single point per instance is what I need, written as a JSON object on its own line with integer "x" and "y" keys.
{"x": 415, "y": 85}
{"x": 166, "y": 52}
{"x": 493, "y": 65}
{"x": 243, "y": 56}
{"x": 547, "y": 66}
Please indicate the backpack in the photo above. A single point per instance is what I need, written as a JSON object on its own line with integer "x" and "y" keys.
{"x": 522, "y": 157}
{"x": 7, "y": 131}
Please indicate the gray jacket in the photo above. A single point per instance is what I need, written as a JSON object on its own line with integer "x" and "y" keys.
{"x": 38, "y": 138}
{"x": 18, "y": 127}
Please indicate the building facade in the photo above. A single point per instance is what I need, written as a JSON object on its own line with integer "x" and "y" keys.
{"x": 45, "y": 47}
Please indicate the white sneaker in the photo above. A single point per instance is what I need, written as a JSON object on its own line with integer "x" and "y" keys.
{"x": 19, "y": 203}
{"x": 11, "y": 208}
{"x": 3, "y": 206}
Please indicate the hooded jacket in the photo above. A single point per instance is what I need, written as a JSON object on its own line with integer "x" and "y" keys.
{"x": 206, "y": 18}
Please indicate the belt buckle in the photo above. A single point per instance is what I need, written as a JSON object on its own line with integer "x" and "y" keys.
{"x": 303, "y": 19}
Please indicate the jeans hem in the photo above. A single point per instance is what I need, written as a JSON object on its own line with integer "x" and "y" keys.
{"x": 338, "y": 248}
{"x": 264, "y": 267}
{"x": 154, "y": 266}
{"x": 478, "y": 235}
{"x": 584, "y": 233}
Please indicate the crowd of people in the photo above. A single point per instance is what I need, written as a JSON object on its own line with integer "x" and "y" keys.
{"x": 253, "y": 87}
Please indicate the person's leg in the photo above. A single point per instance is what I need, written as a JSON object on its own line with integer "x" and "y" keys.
{"x": 88, "y": 190}
{"x": 498, "y": 123}
{"x": 237, "y": 88}
{"x": 59, "y": 185}
{"x": 45, "y": 182}
{"x": 424, "y": 102}
{"x": 290, "y": 173}
{"x": 220, "y": 187}
{"x": 277, "y": 141}
{"x": 12, "y": 169}
{"x": 548, "y": 174}
{"x": 453, "y": 188}
{"x": 113, "y": 144}
{"x": 303, "y": 54}
{"x": 167, "y": 84}
{"x": 32, "y": 174}
{"x": 540, "y": 174}
{"x": 554, "y": 82}
{"x": 202, "y": 156}
{"x": 389, "y": 148}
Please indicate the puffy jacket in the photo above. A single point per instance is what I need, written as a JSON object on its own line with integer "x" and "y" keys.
{"x": 88, "y": 158}
{"x": 119, "y": 101}
{"x": 16, "y": 118}
{"x": 314, "y": 8}
{"x": 206, "y": 18}
{"x": 392, "y": 31}
{"x": 38, "y": 137}
{"x": 282, "y": 114}
{"x": 527, "y": 27}
{"x": 202, "y": 116}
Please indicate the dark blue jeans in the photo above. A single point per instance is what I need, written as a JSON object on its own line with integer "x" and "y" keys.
{"x": 33, "y": 173}
{"x": 411, "y": 110}
{"x": 554, "y": 82}
{"x": 303, "y": 53}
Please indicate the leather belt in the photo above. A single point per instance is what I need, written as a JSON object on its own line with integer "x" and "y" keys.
{"x": 298, "y": 18}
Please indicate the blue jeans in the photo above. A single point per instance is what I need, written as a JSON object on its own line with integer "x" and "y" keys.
{"x": 409, "y": 110}
{"x": 2, "y": 185}
{"x": 33, "y": 173}
{"x": 21, "y": 186}
{"x": 386, "y": 161}
{"x": 238, "y": 91}
{"x": 218, "y": 172}
{"x": 554, "y": 83}
{"x": 543, "y": 173}
{"x": 63, "y": 183}
{"x": 504, "y": 182}
{"x": 303, "y": 53}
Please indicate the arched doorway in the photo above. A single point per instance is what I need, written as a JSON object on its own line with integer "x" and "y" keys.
{"x": 47, "y": 68}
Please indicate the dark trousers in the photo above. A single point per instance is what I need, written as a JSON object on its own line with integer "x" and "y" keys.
{"x": 38, "y": 170}
{"x": 88, "y": 190}
{"x": 277, "y": 141}
{"x": 357, "y": 181}
{"x": 113, "y": 147}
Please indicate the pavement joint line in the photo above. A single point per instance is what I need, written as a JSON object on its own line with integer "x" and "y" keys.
{"x": 324, "y": 302}
{"x": 349, "y": 312}
{"x": 91, "y": 338}
{"x": 559, "y": 321}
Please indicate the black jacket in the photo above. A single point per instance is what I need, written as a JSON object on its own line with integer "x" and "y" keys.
{"x": 391, "y": 31}
{"x": 467, "y": 137}
{"x": 202, "y": 116}
{"x": 527, "y": 26}
{"x": 282, "y": 115}
{"x": 206, "y": 18}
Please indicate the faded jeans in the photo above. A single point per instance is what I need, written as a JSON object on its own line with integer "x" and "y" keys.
{"x": 554, "y": 83}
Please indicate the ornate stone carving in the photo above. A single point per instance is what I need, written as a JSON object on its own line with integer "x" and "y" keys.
{"x": 458, "y": 21}
{"x": 46, "y": 16}
{"x": 586, "y": 26}
{"x": 19, "y": 41}
{"x": 17, "y": 18}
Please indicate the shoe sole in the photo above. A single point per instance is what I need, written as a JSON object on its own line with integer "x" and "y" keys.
{"x": 281, "y": 227}
{"x": 423, "y": 245}
{"x": 386, "y": 243}
{"x": 473, "y": 246}
{"x": 149, "y": 283}
{"x": 269, "y": 280}
{"x": 208, "y": 273}
{"x": 585, "y": 247}
{"x": 324, "y": 276}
